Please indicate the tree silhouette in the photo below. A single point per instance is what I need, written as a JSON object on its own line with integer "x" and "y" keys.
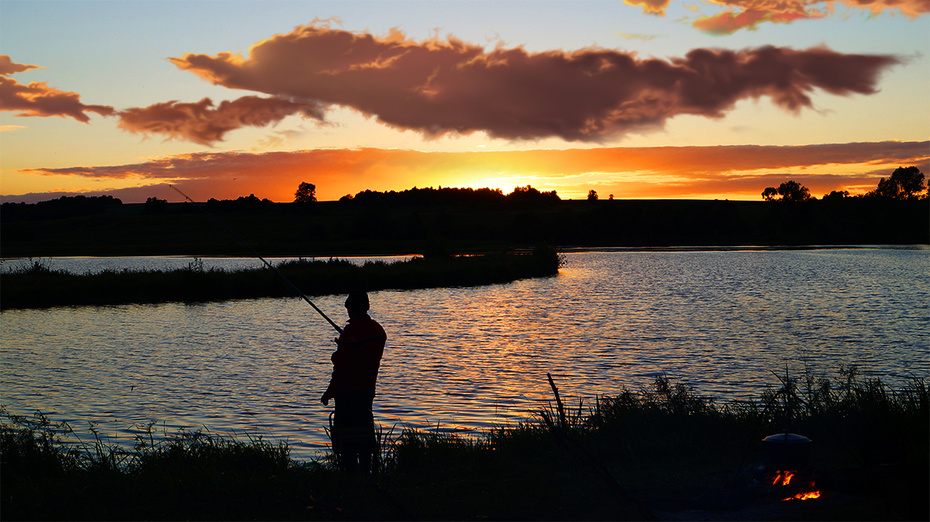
{"x": 63, "y": 207}
{"x": 592, "y": 195}
{"x": 306, "y": 193}
{"x": 528, "y": 194}
{"x": 904, "y": 183}
{"x": 835, "y": 195}
{"x": 789, "y": 191}
{"x": 154, "y": 205}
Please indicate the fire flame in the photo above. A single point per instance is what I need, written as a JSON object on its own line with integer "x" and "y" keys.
{"x": 804, "y": 496}
{"x": 783, "y": 478}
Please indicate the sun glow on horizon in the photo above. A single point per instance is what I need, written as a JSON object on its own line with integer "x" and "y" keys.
{"x": 731, "y": 172}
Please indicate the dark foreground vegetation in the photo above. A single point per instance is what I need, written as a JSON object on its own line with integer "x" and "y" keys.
{"x": 661, "y": 453}
{"x": 420, "y": 221}
{"x": 37, "y": 285}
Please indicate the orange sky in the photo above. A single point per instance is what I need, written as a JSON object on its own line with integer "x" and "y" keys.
{"x": 733, "y": 172}
{"x": 239, "y": 98}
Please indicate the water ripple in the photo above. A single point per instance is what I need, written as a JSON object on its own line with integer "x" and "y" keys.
{"x": 474, "y": 358}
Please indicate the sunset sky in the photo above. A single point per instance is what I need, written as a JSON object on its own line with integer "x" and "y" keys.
{"x": 639, "y": 99}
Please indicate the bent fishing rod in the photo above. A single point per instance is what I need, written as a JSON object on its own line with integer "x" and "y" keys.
{"x": 263, "y": 260}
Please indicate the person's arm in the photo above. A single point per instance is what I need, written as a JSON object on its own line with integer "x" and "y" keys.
{"x": 355, "y": 342}
{"x": 331, "y": 389}
{"x": 327, "y": 395}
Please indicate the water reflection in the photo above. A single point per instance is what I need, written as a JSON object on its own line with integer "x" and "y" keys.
{"x": 477, "y": 357}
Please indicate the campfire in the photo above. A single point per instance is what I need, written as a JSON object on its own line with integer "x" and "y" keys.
{"x": 788, "y": 454}
{"x": 796, "y": 485}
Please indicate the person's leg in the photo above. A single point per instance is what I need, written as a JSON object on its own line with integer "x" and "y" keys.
{"x": 365, "y": 461}
{"x": 340, "y": 428}
{"x": 370, "y": 450}
{"x": 354, "y": 429}
{"x": 350, "y": 460}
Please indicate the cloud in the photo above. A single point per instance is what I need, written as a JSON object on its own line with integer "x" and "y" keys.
{"x": 38, "y": 99}
{"x": 737, "y": 172}
{"x": 7, "y": 66}
{"x": 650, "y": 6}
{"x": 747, "y": 14}
{"x": 730, "y": 22}
{"x": 643, "y": 37}
{"x": 439, "y": 87}
{"x": 912, "y": 8}
{"x": 201, "y": 123}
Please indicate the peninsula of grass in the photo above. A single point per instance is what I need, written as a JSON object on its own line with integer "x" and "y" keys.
{"x": 36, "y": 285}
{"x": 660, "y": 453}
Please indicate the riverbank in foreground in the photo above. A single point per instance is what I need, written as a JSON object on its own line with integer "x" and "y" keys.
{"x": 663, "y": 453}
{"x": 37, "y": 285}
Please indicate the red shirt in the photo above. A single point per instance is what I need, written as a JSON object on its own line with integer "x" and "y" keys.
{"x": 358, "y": 357}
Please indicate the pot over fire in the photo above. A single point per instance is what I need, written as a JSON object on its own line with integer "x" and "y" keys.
{"x": 786, "y": 451}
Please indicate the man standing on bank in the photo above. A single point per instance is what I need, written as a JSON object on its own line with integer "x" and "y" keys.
{"x": 355, "y": 371}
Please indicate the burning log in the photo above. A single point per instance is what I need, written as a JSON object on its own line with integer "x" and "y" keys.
{"x": 805, "y": 496}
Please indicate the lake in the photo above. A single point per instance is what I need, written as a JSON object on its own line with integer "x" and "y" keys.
{"x": 475, "y": 358}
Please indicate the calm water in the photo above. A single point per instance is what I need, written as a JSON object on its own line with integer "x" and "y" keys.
{"x": 471, "y": 358}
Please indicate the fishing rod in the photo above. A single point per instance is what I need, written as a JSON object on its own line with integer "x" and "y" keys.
{"x": 263, "y": 260}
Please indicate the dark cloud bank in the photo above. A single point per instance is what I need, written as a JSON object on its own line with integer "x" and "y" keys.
{"x": 447, "y": 86}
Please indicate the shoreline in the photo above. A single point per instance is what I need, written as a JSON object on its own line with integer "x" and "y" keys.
{"x": 39, "y": 286}
{"x": 743, "y": 248}
{"x": 565, "y": 249}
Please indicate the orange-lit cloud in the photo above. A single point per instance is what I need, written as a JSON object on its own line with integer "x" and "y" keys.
{"x": 439, "y": 87}
{"x": 7, "y": 66}
{"x": 736, "y": 172}
{"x": 202, "y": 123}
{"x": 650, "y": 6}
{"x": 730, "y": 22}
{"x": 38, "y": 99}
{"x": 747, "y": 14}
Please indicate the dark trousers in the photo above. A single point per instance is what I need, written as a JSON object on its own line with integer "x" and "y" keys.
{"x": 353, "y": 433}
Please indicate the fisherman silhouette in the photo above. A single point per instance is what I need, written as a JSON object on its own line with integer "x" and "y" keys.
{"x": 355, "y": 371}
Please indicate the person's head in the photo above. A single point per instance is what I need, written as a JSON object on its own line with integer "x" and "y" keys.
{"x": 357, "y": 303}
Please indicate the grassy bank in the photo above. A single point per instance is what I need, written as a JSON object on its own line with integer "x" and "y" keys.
{"x": 660, "y": 453}
{"x": 37, "y": 285}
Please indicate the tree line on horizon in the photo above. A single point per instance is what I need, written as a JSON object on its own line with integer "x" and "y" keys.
{"x": 72, "y": 206}
{"x": 905, "y": 183}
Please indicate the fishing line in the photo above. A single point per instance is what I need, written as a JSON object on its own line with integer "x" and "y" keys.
{"x": 263, "y": 260}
